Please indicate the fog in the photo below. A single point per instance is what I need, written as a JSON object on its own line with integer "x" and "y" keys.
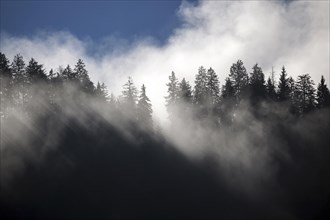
{"x": 212, "y": 33}
{"x": 67, "y": 154}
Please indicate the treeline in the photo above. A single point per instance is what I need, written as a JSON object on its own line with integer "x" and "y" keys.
{"x": 208, "y": 100}
{"x": 23, "y": 86}
{"x": 28, "y": 89}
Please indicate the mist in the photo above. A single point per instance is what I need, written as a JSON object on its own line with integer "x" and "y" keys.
{"x": 212, "y": 34}
{"x": 118, "y": 135}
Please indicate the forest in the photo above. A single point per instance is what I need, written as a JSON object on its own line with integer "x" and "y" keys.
{"x": 251, "y": 148}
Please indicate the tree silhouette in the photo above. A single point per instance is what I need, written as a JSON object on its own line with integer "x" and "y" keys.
{"x": 200, "y": 90}
{"x": 185, "y": 93}
{"x": 144, "y": 110}
{"x": 213, "y": 87}
{"x": 323, "y": 95}
{"x": 304, "y": 94}
{"x": 173, "y": 94}
{"x": 82, "y": 74}
{"x": 257, "y": 84}
{"x": 5, "y": 85}
{"x": 283, "y": 87}
{"x": 240, "y": 80}
{"x": 101, "y": 92}
{"x": 35, "y": 72}
{"x": 185, "y": 98}
{"x": 20, "y": 80}
{"x": 270, "y": 89}
{"x": 129, "y": 97}
{"x": 228, "y": 102}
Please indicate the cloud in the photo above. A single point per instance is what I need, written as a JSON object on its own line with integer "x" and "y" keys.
{"x": 212, "y": 33}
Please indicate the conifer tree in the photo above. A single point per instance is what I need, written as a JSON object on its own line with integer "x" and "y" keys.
{"x": 239, "y": 79}
{"x": 20, "y": 81}
{"x": 37, "y": 87}
{"x": 200, "y": 91}
{"x": 304, "y": 94}
{"x": 101, "y": 92}
{"x": 323, "y": 94}
{"x": 129, "y": 95}
{"x": 257, "y": 84}
{"x": 69, "y": 75}
{"x": 213, "y": 87}
{"x": 173, "y": 94}
{"x": 6, "y": 83}
{"x": 185, "y": 93}
{"x": 228, "y": 102}
{"x": 144, "y": 109}
{"x": 270, "y": 89}
{"x": 82, "y": 74}
{"x": 283, "y": 87}
{"x": 35, "y": 72}
{"x": 104, "y": 92}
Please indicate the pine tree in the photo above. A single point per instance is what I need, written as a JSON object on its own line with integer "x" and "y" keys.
{"x": 173, "y": 94}
{"x": 228, "y": 102}
{"x": 200, "y": 91}
{"x": 37, "y": 87}
{"x": 257, "y": 84}
{"x": 213, "y": 87}
{"x": 239, "y": 79}
{"x": 6, "y": 83}
{"x": 270, "y": 89}
{"x": 185, "y": 93}
{"x": 104, "y": 92}
{"x": 323, "y": 94}
{"x": 54, "y": 80}
{"x": 129, "y": 96}
{"x": 101, "y": 92}
{"x": 144, "y": 109}
{"x": 69, "y": 75}
{"x": 20, "y": 81}
{"x": 283, "y": 87}
{"x": 82, "y": 74}
{"x": 304, "y": 94}
{"x": 35, "y": 72}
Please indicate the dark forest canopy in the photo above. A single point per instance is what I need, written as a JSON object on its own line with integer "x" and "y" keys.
{"x": 251, "y": 148}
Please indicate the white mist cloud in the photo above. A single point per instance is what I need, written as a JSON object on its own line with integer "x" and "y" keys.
{"x": 213, "y": 33}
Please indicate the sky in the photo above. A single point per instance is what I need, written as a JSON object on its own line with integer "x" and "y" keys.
{"x": 91, "y": 19}
{"x": 149, "y": 39}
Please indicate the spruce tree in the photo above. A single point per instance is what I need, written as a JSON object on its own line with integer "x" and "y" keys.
{"x": 6, "y": 83}
{"x": 185, "y": 93}
{"x": 82, "y": 74}
{"x": 35, "y": 72}
{"x": 304, "y": 94}
{"x": 173, "y": 95}
{"x": 323, "y": 94}
{"x": 129, "y": 96}
{"x": 257, "y": 84}
{"x": 144, "y": 110}
{"x": 20, "y": 81}
{"x": 104, "y": 92}
{"x": 37, "y": 87}
{"x": 213, "y": 87}
{"x": 228, "y": 102}
{"x": 239, "y": 79}
{"x": 200, "y": 90}
{"x": 283, "y": 87}
{"x": 270, "y": 90}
